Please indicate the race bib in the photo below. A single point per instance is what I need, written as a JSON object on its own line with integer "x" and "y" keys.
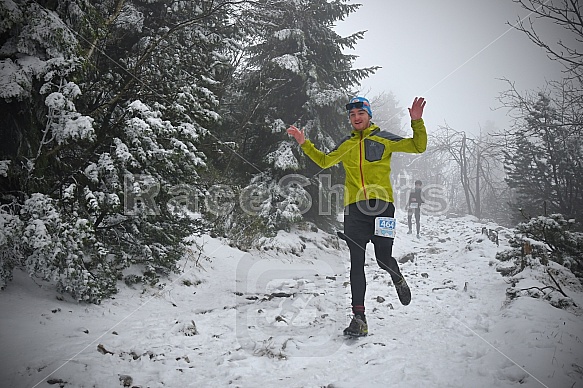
{"x": 413, "y": 205}
{"x": 385, "y": 226}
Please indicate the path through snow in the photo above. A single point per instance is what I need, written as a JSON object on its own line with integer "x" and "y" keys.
{"x": 274, "y": 318}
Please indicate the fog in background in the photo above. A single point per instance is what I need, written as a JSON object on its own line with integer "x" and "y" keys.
{"x": 453, "y": 53}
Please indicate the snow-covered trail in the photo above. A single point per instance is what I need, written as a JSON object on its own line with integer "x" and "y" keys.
{"x": 275, "y": 317}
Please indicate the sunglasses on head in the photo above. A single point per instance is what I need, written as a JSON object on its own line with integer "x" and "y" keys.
{"x": 356, "y": 105}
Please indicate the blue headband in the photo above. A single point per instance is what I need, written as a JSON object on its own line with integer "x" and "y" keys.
{"x": 359, "y": 103}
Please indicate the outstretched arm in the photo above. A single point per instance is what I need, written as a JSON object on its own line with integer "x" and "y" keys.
{"x": 418, "y": 143}
{"x": 321, "y": 159}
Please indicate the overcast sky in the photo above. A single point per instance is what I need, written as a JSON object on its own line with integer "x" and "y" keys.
{"x": 452, "y": 52}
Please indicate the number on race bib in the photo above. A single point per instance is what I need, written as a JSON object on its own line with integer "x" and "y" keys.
{"x": 385, "y": 227}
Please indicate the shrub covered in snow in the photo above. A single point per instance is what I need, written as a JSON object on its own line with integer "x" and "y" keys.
{"x": 96, "y": 143}
{"x": 44, "y": 243}
{"x": 545, "y": 238}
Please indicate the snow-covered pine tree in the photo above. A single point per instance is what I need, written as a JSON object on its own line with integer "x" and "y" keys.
{"x": 103, "y": 107}
{"x": 291, "y": 71}
{"x": 544, "y": 161}
{"x": 548, "y": 138}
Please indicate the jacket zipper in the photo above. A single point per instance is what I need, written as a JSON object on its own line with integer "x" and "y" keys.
{"x": 360, "y": 163}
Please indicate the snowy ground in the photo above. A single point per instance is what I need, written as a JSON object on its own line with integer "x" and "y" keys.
{"x": 273, "y": 318}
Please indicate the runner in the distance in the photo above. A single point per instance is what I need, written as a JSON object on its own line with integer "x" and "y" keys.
{"x": 414, "y": 206}
{"x": 366, "y": 157}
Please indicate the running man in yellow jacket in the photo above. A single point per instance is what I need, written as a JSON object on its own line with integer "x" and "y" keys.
{"x": 368, "y": 195}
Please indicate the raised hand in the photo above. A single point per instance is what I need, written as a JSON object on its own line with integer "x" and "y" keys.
{"x": 416, "y": 110}
{"x": 297, "y": 134}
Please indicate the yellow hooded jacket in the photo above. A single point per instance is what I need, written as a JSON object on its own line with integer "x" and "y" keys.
{"x": 366, "y": 157}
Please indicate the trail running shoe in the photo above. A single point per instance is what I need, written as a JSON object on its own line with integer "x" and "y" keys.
{"x": 357, "y": 327}
{"x": 403, "y": 291}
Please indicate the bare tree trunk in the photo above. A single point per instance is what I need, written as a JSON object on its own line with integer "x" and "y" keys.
{"x": 478, "y": 205}
{"x": 464, "y": 173}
